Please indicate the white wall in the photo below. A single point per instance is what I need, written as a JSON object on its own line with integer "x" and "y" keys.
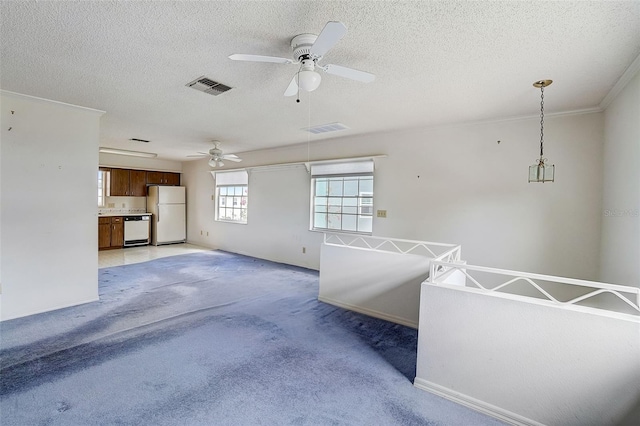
{"x": 621, "y": 196}
{"x": 448, "y": 184}
{"x": 547, "y": 364}
{"x": 48, "y": 197}
{"x": 139, "y": 163}
{"x": 278, "y": 216}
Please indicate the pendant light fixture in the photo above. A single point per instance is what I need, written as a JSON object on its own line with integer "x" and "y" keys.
{"x": 541, "y": 172}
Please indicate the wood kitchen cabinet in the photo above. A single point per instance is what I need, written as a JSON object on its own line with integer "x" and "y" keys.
{"x": 163, "y": 178}
{"x": 104, "y": 233}
{"x": 172, "y": 179}
{"x": 128, "y": 183}
{"x": 138, "y": 183}
{"x": 110, "y": 232}
{"x": 117, "y": 232}
{"x": 119, "y": 182}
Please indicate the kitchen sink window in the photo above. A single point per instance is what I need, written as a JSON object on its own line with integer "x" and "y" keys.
{"x": 232, "y": 196}
{"x": 103, "y": 186}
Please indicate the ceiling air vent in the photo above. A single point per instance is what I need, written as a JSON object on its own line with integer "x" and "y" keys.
{"x": 325, "y": 128}
{"x": 139, "y": 140}
{"x": 209, "y": 86}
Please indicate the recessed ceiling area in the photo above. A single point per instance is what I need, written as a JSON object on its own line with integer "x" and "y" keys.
{"x": 435, "y": 63}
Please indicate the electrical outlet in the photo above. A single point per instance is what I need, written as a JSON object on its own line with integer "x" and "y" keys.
{"x": 382, "y": 213}
{"x": 212, "y": 198}
{"x": 304, "y": 250}
{"x": 123, "y": 205}
{"x": 207, "y": 233}
{"x": 200, "y": 232}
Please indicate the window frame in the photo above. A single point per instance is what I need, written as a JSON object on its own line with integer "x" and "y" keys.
{"x": 237, "y": 179}
{"x": 359, "y": 204}
{"x": 243, "y": 195}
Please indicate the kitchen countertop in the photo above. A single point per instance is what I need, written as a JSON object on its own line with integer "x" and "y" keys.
{"x": 122, "y": 214}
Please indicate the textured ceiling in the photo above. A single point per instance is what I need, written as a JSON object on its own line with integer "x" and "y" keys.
{"x": 435, "y": 63}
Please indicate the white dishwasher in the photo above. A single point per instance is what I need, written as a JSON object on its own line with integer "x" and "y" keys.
{"x": 136, "y": 230}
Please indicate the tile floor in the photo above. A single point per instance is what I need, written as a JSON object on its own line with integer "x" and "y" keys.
{"x": 131, "y": 255}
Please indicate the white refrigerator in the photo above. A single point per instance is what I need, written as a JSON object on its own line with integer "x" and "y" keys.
{"x": 169, "y": 220}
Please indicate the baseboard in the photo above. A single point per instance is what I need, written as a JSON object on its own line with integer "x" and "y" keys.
{"x": 370, "y": 312}
{"x": 268, "y": 258}
{"x": 40, "y": 311}
{"x": 475, "y": 404}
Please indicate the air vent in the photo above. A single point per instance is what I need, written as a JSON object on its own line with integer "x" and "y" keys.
{"x": 326, "y": 128}
{"x": 139, "y": 140}
{"x": 209, "y": 86}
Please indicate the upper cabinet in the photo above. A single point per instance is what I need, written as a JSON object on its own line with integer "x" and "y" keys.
{"x": 138, "y": 183}
{"x": 172, "y": 179}
{"x": 129, "y": 183}
{"x": 119, "y": 182}
{"x": 133, "y": 183}
{"x": 163, "y": 178}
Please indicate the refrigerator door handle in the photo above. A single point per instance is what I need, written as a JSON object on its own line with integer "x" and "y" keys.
{"x": 158, "y": 213}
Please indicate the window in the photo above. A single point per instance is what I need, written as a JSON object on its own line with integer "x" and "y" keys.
{"x": 232, "y": 203}
{"x": 342, "y": 195}
{"x": 103, "y": 186}
{"x": 232, "y": 196}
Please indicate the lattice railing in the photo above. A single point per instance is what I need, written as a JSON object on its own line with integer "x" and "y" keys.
{"x": 441, "y": 270}
{"x": 440, "y": 251}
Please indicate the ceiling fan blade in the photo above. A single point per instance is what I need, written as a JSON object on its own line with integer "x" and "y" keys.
{"x": 260, "y": 58}
{"x": 232, "y": 157}
{"x": 197, "y": 155}
{"x": 341, "y": 71}
{"x": 293, "y": 87}
{"x": 330, "y": 35}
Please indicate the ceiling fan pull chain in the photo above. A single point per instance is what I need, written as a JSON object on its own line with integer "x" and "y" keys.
{"x": 541, "y": 120}
{"x": 298, "y": 84}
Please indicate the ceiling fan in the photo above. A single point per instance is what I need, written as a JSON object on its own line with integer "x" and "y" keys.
{"x": 308, "y": 49}
{"x": 217, "y": 156}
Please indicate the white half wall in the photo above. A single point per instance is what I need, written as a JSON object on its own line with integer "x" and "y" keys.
{"x": 527, "y": 363}
{"x": 48, "y": 197}
{"x": 453, "y": 184}
{"x": 383, "y": 285}
{"x": 620, "y": 252}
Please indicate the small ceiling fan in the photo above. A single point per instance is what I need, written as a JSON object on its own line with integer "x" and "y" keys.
{"x": 217, "y": 156}
{"x": 308, "y": 49}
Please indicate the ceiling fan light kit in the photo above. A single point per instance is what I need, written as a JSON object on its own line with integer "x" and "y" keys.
{"x": 217, "y": 156}
{"x": 541, "y": 171}
{"x": 308, "y": 80}
{"x": 215, "y": 163}
{"x": 308, "y": 49}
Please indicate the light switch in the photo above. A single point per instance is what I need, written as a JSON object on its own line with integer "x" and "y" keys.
{"x": 382, "y": 213}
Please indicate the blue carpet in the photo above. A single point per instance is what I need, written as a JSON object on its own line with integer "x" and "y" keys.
{"x": 213, "y": 339}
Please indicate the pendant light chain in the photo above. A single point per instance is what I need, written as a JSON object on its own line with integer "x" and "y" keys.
{"x": 541, "y": 171}
{"x": 541, "y": 119}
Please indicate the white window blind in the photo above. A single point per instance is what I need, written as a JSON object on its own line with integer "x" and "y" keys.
{"x": 342, "y": 168}
{"x": 235, "y": 177}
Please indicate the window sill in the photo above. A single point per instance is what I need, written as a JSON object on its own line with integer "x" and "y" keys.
{"x": 338, "y": 231}
{"x": 230, "y": 221}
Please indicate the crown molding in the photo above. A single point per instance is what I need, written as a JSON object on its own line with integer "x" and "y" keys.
{"x": 621, "y": 83}
{"x": 49, "y": 101}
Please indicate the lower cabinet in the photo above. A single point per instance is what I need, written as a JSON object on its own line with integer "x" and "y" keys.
{"x": 110, "y": 232}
